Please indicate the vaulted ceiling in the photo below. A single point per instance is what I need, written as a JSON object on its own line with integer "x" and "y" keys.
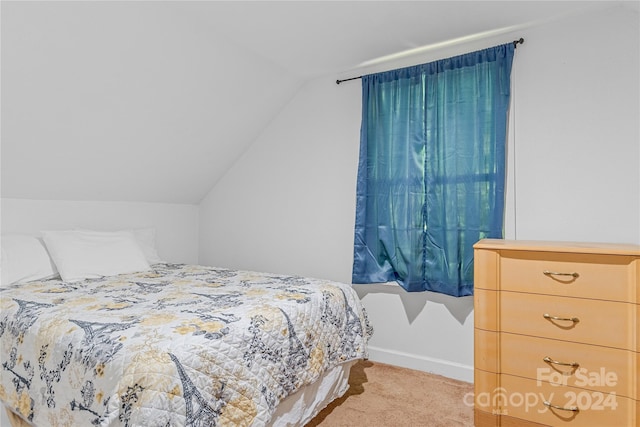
{"x": 155, "y": 101}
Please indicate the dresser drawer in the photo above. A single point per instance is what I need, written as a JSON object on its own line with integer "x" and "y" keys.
{"x": 578, "y": 275}
{"x": 604, "y": 323}
{"x": 603, "y": 369}
{"x": 524, "y": 399}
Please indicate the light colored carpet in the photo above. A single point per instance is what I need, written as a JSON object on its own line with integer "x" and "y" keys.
{"x": 383, "y": 395}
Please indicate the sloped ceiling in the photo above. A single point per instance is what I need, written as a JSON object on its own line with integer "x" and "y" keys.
{"x": 154, "y": 101}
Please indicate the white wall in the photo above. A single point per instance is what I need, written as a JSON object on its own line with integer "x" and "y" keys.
{"x": 577, "y": 131}
{"x": 288, "y": 204}
{"x": 176, "y": 224}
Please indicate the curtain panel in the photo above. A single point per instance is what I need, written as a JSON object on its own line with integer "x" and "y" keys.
{"x": 431, "y": 173}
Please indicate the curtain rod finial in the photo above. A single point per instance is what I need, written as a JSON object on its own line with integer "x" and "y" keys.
{"x": 520, "y": 41}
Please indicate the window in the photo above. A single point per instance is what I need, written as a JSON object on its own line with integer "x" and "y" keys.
{"x": 431, "y": 172}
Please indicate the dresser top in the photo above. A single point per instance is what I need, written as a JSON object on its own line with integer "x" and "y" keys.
{"x": 553, "y": 246}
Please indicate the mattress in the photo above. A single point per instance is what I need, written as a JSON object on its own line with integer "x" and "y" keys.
{"x": 180, "y": 345}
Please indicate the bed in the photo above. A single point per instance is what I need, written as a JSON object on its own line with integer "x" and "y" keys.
{"x": 177, "y": 345}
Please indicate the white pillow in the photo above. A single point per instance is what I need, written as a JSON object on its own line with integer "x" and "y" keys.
{"x": 83, "y": 254}
{"x": 25, "y": 258}
{"x": 4, "y": 274}
{"x": 146, "y": 238}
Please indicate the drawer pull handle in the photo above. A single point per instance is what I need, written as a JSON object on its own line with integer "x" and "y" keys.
{"x": 555, "y": 273}
{"x": 562, "y": 408}
{"x": 555, "y": 362}
{"x": 564, "y": 319}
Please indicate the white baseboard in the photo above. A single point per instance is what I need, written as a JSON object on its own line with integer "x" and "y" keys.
{"x": 446, "y": 368}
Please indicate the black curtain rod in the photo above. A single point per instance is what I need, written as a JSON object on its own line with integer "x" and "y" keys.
{"x": 515, "y": 45}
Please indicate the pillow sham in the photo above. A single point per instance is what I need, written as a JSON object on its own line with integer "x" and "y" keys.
{"x": 4, "y": 274}
{"x": 84, "y": 254}
{"x": 24, "y": 259}
{"x": 146, "y": 238}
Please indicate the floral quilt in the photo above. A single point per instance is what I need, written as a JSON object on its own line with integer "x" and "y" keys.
{"x": 180, "y": 345}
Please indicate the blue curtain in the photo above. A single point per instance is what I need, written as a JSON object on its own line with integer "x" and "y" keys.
{"x": 431, "y": 173}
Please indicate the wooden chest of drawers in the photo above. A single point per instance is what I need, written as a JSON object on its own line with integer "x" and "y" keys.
{"x": 557, "y": 336}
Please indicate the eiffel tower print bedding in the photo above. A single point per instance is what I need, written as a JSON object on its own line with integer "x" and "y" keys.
{"x": 180, "y": 345}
